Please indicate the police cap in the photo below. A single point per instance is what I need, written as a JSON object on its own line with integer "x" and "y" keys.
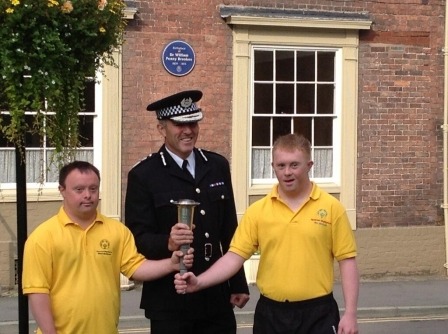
{"x": 180, "y": 107}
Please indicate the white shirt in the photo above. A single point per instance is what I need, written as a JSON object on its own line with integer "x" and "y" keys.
{"x": 191, "y": 161}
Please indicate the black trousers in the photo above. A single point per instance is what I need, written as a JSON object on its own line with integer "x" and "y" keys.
{"x": 223, "y": 323}
{"x": 314, "y": 316}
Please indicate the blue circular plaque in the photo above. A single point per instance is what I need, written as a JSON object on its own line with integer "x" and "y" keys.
{"x": 178, "y": 58}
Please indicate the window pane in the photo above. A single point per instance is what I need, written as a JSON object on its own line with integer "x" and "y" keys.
{"x": 323, "y": 163}
{"x": 284, "y": 102}
{"x": 261, "y": 128}
{"x": 305, "y": 99}
{"x": 50, "y": 118}
{"x": 52, "y": 171}
{"x": 84, "y": 154}
{"x": 86, "y": 130}
{"x": 284, "y": 69}
{"x": 303, "y": 126}
{"x": 261, "y": 163}
{"x": 263, "y": 99}
{"x": 323, "y": 133}
{"x": 6, "y": 119}
{"x": 325, "y": 102}
{"x": 34, "y": 166}
{"x": 281, "y": 126}
{"x": 325, "y": 66}
{"x": 31, "y": 139}
{"x": 305, "y": 65}
{"x": 89, "y": 96}
{"x": 263, "y": 65}
{"x": 8, "y": 166}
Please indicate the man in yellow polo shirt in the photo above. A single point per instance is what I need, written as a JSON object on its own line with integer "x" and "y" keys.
{"x": 299, "y": 230}
{"x": 73, "y": 261}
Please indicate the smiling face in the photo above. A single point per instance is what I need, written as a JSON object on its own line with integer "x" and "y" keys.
{"x": 180, "y": 138}
{"x": 291, "y": 166}
{"x": 81, "y": 195}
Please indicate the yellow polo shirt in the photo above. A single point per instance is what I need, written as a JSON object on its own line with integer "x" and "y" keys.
{"x": 80, "y": 270}
{"x": 297, "y": 249}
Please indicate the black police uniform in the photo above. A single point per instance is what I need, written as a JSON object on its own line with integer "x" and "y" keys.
{"x": 153, "y": 185}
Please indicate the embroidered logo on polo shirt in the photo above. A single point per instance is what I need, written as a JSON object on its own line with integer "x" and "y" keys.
{"x": 105, "y": 245}
{"x": 322, "y": 213}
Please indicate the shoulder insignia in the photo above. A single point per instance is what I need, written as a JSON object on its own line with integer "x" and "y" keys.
{"x": 206, "y": 153}
{"x": 163, "y": 158}
{"x": 202, "y": 154}
{"x": 139, "y": 162}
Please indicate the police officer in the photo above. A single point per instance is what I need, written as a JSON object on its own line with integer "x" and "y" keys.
{"x": 177, "y": 171}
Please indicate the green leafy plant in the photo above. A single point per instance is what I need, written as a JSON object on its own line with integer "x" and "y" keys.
{"x": 47, "y": 50}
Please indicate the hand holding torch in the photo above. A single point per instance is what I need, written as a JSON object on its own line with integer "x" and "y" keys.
{"x": 185, "y": 211}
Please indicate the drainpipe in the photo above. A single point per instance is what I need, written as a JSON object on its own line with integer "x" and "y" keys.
{"x": 445, "y": 137}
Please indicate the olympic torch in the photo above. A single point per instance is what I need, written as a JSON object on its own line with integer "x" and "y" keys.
{"x": 185, "y": 211}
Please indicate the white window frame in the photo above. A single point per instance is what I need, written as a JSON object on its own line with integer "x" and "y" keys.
{"x": 249, "y": 30}
{"x": 336, "y": 148}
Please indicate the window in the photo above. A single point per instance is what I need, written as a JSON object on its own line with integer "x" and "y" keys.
{"x": 294, "y": 71}
{"x": 294, "y": 91}
{"x": 39, "y": 170}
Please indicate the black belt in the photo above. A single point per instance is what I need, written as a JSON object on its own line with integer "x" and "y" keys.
{"x": 299, "y": 304}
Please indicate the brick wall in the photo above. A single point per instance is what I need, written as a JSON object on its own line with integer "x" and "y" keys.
{"x": 145, "y": 80}
{"x": 400, "y": 114}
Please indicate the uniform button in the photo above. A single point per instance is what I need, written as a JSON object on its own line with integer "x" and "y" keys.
{"x": 222, "y": 196}
{"x": 203, "y": 212}
{"x": 207, "y": 235}
{"x": 171, "y": 200}
{"x": 198, "y": 190}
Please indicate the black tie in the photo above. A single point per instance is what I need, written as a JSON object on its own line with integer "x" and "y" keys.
{"x": 184, "y": 167}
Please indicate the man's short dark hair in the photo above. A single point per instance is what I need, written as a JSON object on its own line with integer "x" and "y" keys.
{"x": 82, "y": 166}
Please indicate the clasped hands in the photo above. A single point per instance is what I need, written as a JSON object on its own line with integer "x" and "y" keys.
{"x": 188, "y": 282}
{"x": 180, "y": 235}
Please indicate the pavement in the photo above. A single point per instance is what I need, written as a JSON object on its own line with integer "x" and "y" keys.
{"x": 385, "y": 298}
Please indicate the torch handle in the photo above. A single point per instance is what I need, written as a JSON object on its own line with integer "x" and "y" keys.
{"x": 184, "y": 249}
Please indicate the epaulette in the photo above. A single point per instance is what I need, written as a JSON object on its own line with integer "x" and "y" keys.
{"x": 163, "y": 158}
{"x": 201, "y": 152}
{"x": 205, "y": 153}
{"x": 144, "y": 159}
